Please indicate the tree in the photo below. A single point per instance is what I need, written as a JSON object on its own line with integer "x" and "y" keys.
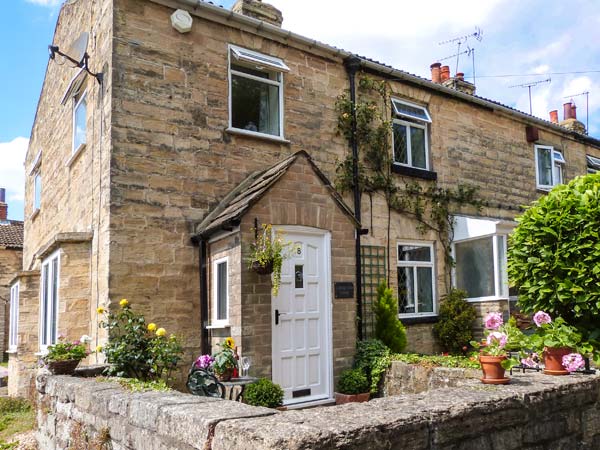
{"x": 554, "y": 255}
{"x": 388, "y": 327}
{"x": 454, "y": 330}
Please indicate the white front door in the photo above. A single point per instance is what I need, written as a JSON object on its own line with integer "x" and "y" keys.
{"x": 301, "y": 318}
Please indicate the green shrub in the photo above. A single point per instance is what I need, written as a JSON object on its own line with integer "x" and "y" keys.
{"x": 137, "y": 350}
{"x": 372, "y": 357}
{"x": 264, "y": 393}
{"x": 554, "y": 255}
{"x": 463, "y": 362}
{"x": 388, "y": 327}
{"x": 454, "y": 329}
{"x": 353, "y": 381}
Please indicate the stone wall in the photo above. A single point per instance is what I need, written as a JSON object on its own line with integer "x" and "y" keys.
{"x": 534, "y": 412}
{"x": 10, "y": 263}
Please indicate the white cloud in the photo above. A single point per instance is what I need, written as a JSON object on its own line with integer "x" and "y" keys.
{"x": 12, "y": 172}
{"x": 48, "y": 3}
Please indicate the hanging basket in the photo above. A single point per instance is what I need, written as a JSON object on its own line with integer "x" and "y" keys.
{"x": 66, "y": 367}
{"x": 266, "y": 269}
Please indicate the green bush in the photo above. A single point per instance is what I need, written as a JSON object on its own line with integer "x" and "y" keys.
{"x": 454, "y": 329}
{"x": 353, "y": 381}
{"x": 137, "y": 350}
{"x": 372, "y": 357}
{"x": 264, "y": 393}
{"x": 554, "y": 255}
{"x": 388, "y": 327}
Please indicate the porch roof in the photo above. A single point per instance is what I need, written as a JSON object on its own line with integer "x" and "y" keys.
{"x": 11, "y": 234}
{"x": 230, "y": 210}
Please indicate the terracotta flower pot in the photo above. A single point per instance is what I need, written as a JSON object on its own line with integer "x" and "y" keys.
{"x": 553, "y": 360}
{"x": 493, "y": 372}
{"x": 260, "y": 269}
{"x": 225, "y": 375}
{"x": 66, "y": 367}
{"x": 340, "y": 399}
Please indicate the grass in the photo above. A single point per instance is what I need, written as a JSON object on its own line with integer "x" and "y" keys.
{"x": 462, "y": 362}
{"x": 16, "y": 416}
{"x": 4, "y": 364}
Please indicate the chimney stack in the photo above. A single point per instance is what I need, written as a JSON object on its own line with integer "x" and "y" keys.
{"x": 3, "y": 205}
{"x": 570, "y": 121}
{"x": 444, "y": 73}
{"x": 258, "y": 10}
{"x": 554, "y": 116}
{"x": 436, "y": 72}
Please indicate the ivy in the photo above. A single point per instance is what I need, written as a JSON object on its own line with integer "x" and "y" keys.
{"x": 431, "y": 206}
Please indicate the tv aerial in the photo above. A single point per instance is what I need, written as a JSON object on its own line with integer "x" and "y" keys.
{"x": 529, "y": 86}
{"x": 76, "y": 55}
{"x": 470, "y": 52}
{"x": 587, "y": 107}
{"x": 460, "y": 40}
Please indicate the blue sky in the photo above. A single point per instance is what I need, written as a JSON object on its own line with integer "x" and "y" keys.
{"x": 519, "y": 37}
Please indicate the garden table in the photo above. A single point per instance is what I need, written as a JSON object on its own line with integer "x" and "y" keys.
{"x": 237, "y": 382}
{"x": 203, "y": 382}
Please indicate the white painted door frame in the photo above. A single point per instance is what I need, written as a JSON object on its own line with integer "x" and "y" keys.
{"x": 296, "y": 233}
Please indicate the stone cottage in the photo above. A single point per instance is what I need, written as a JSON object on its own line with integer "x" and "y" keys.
{"x": 193, "y": 125}
{"x": 11, "y": 254}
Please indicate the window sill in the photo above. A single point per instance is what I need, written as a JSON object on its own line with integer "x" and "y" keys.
{"x": 417, "y": 319}
{"x": 13, "y": 351}
{"x": 218, "y": 326}
{"x": 487, "y": 299}
{"x": 256, "y": 135}
{"x": 75, "y": 155}
{"x": 34, "y": 214}
{"x": 41, "y": 353}
{"x": 414, "y": 172}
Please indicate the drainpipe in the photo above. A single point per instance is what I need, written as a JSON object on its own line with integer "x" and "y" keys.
{"x": 352, "y": 65}
{"x": 202, "y": 258}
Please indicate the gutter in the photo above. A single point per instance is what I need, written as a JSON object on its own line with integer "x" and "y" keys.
{"x": 390, "y": 72}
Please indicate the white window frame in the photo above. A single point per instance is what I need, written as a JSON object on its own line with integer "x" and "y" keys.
{"x": 408, "y": 125}
{"x": 216, "y": 323}
{"x": 13, "y": 334}
{"x": 264, "y": 63}
{"x": 46, "y": 320}
{"x": 593, "y": 163}
{"x": 37, "y": 197}
{"x": 399, "y": 113}
{"x": 414, "y": 265}
{"x": 558, "y": 161}
{"x": 76, "y": 104}
{"x": 500, "y": 285}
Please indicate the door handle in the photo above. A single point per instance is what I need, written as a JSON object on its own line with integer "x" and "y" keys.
{"x": 277, "y": 314}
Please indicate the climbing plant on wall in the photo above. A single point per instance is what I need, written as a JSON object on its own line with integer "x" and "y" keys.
{"x": 427, "y": 202}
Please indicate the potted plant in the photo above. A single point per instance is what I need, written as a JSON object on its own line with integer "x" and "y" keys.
{"x": 559, "y": 343}
{"x": 224, "y": 360}
{"x": 264, "y": 393}
{"x": 267, "y": 253}
{"x": 353, "y": 387}
{"x": 493, "y": 355}
{"x": 64, "y": 356}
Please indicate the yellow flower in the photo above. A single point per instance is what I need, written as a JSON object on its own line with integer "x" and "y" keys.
{"x": 100, "y": 310}
{"x": 98, "y": 349}
{"x": 229, "y": 342}
{"x": 151, "y": 326}
{"x": 161, "y": 332}
{"x": 123, "y": 303}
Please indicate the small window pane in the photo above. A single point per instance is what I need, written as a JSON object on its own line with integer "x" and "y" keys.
{"x": 80, "y": 118}
{"x": 54, "y": 302}
{"x": 502, "y": 276}
{"x": 45, "y": 282}
{"x": 37, "y": 191}
{"x": 544, "y": 166}
{"x": 425, "y": 289}
{"x": 475, "y": 267}
{"x": 400, "y": 144}
{"x": 255, "y": 105}
{"x": 222, "y": 291}
{"x": 558, "y": 179}
{"x": 417, "y": 147}
{"x": 406, "y": 291}
{"x": 414, "y": 253}
{"x": 14, "y": 317}
{"x": 299, "y": 276}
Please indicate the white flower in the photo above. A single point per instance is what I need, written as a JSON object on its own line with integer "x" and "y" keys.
{"x": 85, "y": 339}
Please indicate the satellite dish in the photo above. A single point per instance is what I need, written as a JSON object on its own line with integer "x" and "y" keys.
{"x": 79, "y": 46}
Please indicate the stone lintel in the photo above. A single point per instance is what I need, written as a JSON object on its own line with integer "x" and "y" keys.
{"x": 63, "y": 238}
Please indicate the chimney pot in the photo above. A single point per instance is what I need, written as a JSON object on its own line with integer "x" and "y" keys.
{"x": 3, "y": 205}
{"x": 460, "y": 75}
{"x": 435, "y": 72}
{"x": 445, "y": 73}
{"x": 567, "y": 111}
{"x": 574, "y": 111}
{"x": 2, "y": 195}
{"x": 554, "y": 116}
{"x": 258, "y": 10}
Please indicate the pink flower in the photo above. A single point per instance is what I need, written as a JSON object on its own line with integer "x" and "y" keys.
{"x": 204, "y": 361}
{"x": 493, "y": 320}
{"x": 540, "y": 318}
{"x": 573, "y": 362}
{"x": 498, "y": 338}
{"x": 531, "y": 360}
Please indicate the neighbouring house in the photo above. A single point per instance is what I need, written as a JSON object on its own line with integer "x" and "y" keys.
{"x": 147, "y": 182}
{"x": 11, "y": 256}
